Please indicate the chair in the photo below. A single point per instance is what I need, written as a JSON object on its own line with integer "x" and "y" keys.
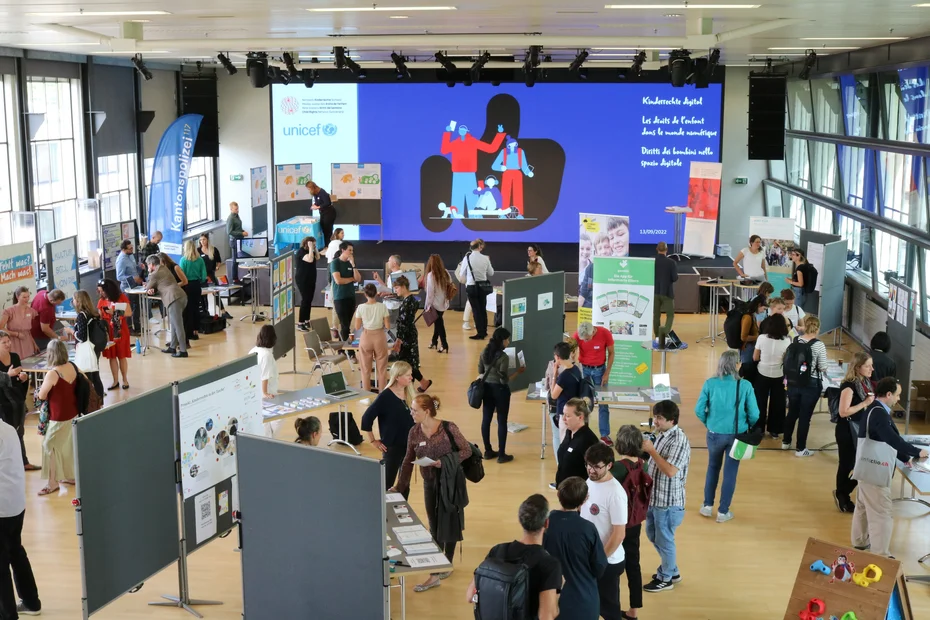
{"x": 328, "y": 339}
{"x": 315, "y": 352}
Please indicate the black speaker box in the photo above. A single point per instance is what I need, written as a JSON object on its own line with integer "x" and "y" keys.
{"x": 198, "y": 96}
{"x": 767, "y": 101}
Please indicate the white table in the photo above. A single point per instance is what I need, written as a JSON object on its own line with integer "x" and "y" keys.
{"x": 920, "y": 485}
{"x": 679, "y": 213}
{"x": 256, "y": 313}
{"x": 318, "y": 392}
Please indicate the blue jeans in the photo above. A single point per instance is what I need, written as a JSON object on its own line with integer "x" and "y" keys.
{"x": 463, "y": 191}
{"x": 603, "y": 412}
{"x": 799, "y": 295}
{"x": 718, "y": 448}
{"x": 661, "y": 524}
{"x": 745, "y": 354}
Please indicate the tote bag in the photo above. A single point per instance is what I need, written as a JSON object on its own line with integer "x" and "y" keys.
{"x": 875, "y": 460}
{"x": 85, "y": 357}
{"x": 745, "y": 445}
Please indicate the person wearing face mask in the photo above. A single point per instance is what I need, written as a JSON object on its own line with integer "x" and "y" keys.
{"x": 511, "y": 161}
{"x": 464, "y": 149}
{"x": 618, "y": 230}
{"x": 750, "y": 262}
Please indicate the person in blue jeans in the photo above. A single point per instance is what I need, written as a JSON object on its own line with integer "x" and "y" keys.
{"x": 596, "y": 354}
{"x": 669, "y": 458}
{"x": 727, "y": 406}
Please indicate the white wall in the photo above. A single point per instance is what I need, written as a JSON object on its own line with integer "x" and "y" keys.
{"x": 738, "y": 202}
{"x": 245, "y": 140}
{"x": 159, "y": 95}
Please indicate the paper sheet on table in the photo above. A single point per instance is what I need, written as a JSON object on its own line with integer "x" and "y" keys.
{"x": 211, "y": 305}
{"x": 424, "y": 461}
{"x": 393, "y": 552}
{"x": 418, "y": 548}
{"x": 428, "y": 560}
{"x": 390, "y": 498}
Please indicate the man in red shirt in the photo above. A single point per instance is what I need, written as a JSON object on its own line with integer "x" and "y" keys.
{"x": 596, "y": 354}
{"x": 43, "y": 323}
{"x": 464, "y": 151}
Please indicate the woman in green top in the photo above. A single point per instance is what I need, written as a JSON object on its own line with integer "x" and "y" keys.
{"x": 196, "y": 271}
{"x": 496, "y": 363}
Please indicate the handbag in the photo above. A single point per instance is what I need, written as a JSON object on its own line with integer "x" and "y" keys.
{"x": 875, "y": 460}
{"x": 476, "y": 389}
{"x": 473, "y": 466}
{"x": 484, "y": 286}
{"x": 85, "y": 357}
{"x": 430, "y": 316}
{"x": 745, "y": 444}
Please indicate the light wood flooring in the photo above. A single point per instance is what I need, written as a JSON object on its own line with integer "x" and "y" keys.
{"x": 741, "y": 569}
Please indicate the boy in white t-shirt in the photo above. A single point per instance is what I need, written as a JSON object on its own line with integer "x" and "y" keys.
{"x": 793, "y": 312}
{"x": 606, "y": 508}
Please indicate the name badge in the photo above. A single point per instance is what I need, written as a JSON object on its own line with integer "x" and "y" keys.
{"x": 422, "y": 443}
{"x": 597, "y": 347}
{"x": 571, "y": 449}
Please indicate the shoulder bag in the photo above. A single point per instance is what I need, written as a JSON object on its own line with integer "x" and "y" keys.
{"x": 745, "y": 444}
{"x": 484, "y": 286}
{"x": 476, "y": 389}
{"x": 85, "y": 356}
{"x": 875, "y": 460}
{"x": 473, "y": 466}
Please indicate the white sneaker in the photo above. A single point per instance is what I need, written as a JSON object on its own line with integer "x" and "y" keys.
{"x": 154, "y": 321}
{"x": 786, "y": 446}
{"x": 466, "y": 326}
{"x": 707, "y": 511}
{"x": 804, "y": 452}
{"x": 723, "y": 517}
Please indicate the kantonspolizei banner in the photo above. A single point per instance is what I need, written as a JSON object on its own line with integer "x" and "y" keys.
{"x": 168, "y": 193}
{"x": 623, "y": 303}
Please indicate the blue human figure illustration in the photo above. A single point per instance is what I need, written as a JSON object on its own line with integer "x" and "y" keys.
{"x": 464, "y": 150}
{"x": 489, "y": 198}
{"x": 511, "y": 161}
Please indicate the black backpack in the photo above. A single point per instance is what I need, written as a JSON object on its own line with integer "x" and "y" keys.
{"x": 733, "y": 328}
{"x": 97, "y": 334}
{"x": 351, "y": 432}
{"x": 798, "y": 364}
{"x": 503, "y": 590}
{"x": 588, "y": 391}
{"x": 810, "y": 277}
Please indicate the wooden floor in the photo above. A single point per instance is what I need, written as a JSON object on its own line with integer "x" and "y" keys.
{"x": 741, "y": 569}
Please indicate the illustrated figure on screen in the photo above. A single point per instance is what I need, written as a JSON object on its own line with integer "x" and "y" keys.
{"x": 450, "y": 212}
{"x": 489, "y": 198}
{"x": 464, "y": 150}
{"x": 618, "y": 229}
{"x": 511, "y": 161}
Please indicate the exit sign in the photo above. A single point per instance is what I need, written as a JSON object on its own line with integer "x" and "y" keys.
{"x": 741, "y": 181}
{"x": 235, "y": 177}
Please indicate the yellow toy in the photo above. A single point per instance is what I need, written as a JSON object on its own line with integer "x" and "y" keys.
{"x": 863, "y": 579}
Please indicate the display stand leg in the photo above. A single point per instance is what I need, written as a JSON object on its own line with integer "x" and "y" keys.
{"x": 294, "y": 370}
{"x": 838, "y": 340}
{"x": 678, "y": 247}
{"x": 545, "y": 423}
{"x": 913, "y": 499}
{"x": 183, "y": 600}
{"x": 712, "y": 319}
{"x": 343, "y": 425}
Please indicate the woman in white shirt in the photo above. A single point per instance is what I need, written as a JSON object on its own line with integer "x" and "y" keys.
{"x": 535, "y": 254}
{"x": 374, "y": 319}
{"x": 267, "y": 366}
{"x": 439, "y": 292}
{"x": 332, "y": 250}
{"x": 752, "y": 259}
{"x": 770, "y": 382}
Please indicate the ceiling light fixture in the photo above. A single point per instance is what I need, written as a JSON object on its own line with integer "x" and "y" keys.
{"x": 256, "y": 67}
{"x": 141, "y": 68}
{"x": 637, "y": 69}
{"x": 809, "y": 63}
{"x": 679, "y": 66}
{"x": 289, "y": 63}
{"x": 95, "y": 13}
{"x": 344, "y": 62}
{"x": 124, "y": 52}
{"x": 447, "y": 64}
{"x": 633, "y": 49}
{"x": 480, "y": 62}
{"x": 224, "y": 60}
{"x": 530, "y": 63}
{"x": 398, "y": 17}
{"x": 791, "y": 49}
{"x": 579, "y": 60}
{"x": 646, "y": 7}
{"x": 400, "y": 66}
{"x": 380, "y": 9}
{"x": 308, "y": 76}
{"x": 853, "y": 38}
{"x": 79, "y": 44}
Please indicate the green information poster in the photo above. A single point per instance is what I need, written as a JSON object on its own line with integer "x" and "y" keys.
{"x": 623, "y": 303}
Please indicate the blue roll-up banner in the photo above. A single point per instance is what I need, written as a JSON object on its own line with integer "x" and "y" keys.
{"x": 168, "y": 192}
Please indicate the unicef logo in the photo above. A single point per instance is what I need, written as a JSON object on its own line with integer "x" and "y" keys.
{"x": 329, "y": 129}
{"x": 289, "y": 105}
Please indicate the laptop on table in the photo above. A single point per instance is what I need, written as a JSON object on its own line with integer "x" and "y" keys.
{"x": 335, "y": 386}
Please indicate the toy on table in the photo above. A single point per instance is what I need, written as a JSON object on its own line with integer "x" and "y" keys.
{"x": 863, "y": 579}
{"x": 820, "y": 567}
{"x": 815, "y": 609}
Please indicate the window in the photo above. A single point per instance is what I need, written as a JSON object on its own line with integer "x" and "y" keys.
{"x": 9, "y": 171}
{"x": 200, "y": 201}
{"x": 116, "y": 184}
{"x": 58, "y": 180}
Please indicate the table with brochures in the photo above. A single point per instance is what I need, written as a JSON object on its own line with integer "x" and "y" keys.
{"x": 308, "y": 400}
{"x": 916, "y": 474}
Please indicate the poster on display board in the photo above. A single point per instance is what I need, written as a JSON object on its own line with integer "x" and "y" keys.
{"x": 210, "y": 417}
{"x": 61, "y": 261}
{"x": 603, "y": 236}
{"x": 779, "y": 238}
{"x": 623, "y": 303}
{"x": 356, "y": 181}
{"x": 700, "y": 233}
{"x": 17, "y": 268}
{"x": 291, "y": 182}
{"x": 113, "y": 235}
{"x": 259, "y": 184}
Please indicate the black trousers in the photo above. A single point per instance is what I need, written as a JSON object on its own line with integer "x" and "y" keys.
{"x": 192, "y": 310}
{"x": 608, "y": 591}
{"x": 496, "y": 396}
{"x": 327, "y": 222}
{"x": 233, "y": 275}
{"x": 770, "y": 396}
{"x": 16, "y": 417}
{"x": 634, "y": 572}
{"x": 306, "y": 285}
{"x": 479, "y": 309}
{"x": 135, "y": 321}
{"x": 13, "y": 557}
{"x": 431, "y": 499}
{"x": 801, "y": 403}
{"x": 95, "y": 380}
{"x": 393, "y": 459}
{"x": 345, "y": 310}
{"x": 439, "y": 331}
{"x": 846, "y": 445}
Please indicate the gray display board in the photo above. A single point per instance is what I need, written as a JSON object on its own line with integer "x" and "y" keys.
{"x": 314, "y": 540}
{"x": 902, "y": 328}
{"x": 224, "y": 522}
{"x": 812, "y": 304}
{"x": 832, "y": 286}
{"x": 113, "y": 235}
{"x": 61, "y": 268}
{"x": 283, "y": 299}
{"x": 126, "y": 483}
{"x": 538, "y": 303}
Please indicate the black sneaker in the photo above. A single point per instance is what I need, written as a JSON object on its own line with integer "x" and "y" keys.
{"x": 553, "y": 486}
{"x": 22, "y": 610}
{"x": 490, "y": 454}
{"x": 180, "y": 354}
{"x": 657, "y": 585}
{"x": 168, "y": 350}
{"x": 675, "y": 579}
{"x": 838, "y": 500}
{"x": 303, "y": 327}
{"x": 504, "y": 458}
{"x": 848, "y": 507}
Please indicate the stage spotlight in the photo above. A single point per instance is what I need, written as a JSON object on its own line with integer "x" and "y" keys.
{"x": 712, "y": 61}
{"x": 451, "y": 83}
{"x": 308, "y": 76}
{"x": 530, "y": 63}
{"x": 447, "y": 64}
{"x": 495, "y": 82}
{"x": 400, "y": 66}
{"x": 343, "y": 61}
{"x": 809, "y": 63}
{"x": 637, "y": 69}
{"x": 480, "y": 62}
{"x": 579, "y": 60}
{"x": 289, "y": 64}
{"x": 141, "y": 68}
{"x": 256, "y": 67}
{"x": 230, "y": 68}
{"x": 679, "y": 66}
{"x": 700, "y": 75}
{"x": 339, "y": 55}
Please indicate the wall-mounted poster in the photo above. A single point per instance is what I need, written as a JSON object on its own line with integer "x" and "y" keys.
{"x": 62, "y": 265}
{"x": 356, "y": 181}
{"x": 292, "y": 182}
{"x": 599, "y": 235}
{"x": 259, "y": 179}
{"x": 17, "y": 268}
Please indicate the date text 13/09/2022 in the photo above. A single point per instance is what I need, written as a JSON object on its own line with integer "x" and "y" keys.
{"x": 653, "y": 231}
